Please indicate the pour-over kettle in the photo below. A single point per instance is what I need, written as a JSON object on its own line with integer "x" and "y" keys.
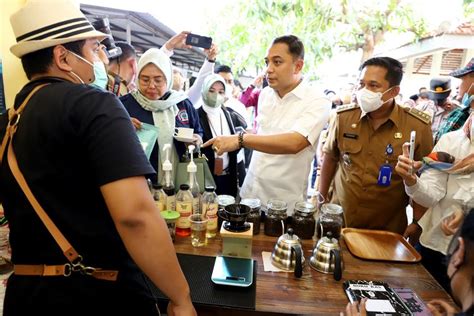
{"x": 327, "y": 257}
{"x": 288, "y": 253}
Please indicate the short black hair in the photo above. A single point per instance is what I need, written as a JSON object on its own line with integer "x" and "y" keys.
{"x": 38, "y": 62}
{"x": 295, "y": 45}
{"x": 127, "y": 52}
{"x": 223, "y": 68}
{"x": 394, "y": 68}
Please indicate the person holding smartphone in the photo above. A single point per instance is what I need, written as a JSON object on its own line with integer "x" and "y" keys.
{"x": 363, "y": 144}
{"x": 460, "y": 271}
{"x": 446, "y": 192}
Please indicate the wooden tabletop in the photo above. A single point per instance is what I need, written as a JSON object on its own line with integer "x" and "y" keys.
{"x": 316, "y": 293}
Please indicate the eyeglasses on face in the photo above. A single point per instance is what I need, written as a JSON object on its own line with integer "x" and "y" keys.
{"x": 147, "y": 81}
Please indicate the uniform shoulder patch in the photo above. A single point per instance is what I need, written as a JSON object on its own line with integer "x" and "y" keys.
{"x": 422, "y": 116}
{"x": 346, "y": 107}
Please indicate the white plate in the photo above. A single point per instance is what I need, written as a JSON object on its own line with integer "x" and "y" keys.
{"x": 184, "y": 139}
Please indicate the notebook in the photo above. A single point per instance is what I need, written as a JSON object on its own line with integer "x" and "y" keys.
{"x": 147, "y": 134}
{"x": 381, "y": 299}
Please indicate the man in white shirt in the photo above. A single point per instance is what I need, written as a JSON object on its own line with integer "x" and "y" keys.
{"x": 291, "y": 116}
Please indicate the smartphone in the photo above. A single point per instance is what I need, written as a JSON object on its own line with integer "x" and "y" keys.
{"x": 233, "y": 271}
{"x": 416, "y": 306}
{"x": 412, "y": 148}
{"x": 198, "y": 40}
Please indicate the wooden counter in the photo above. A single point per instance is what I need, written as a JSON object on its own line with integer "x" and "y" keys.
{"x": 316, "y": 293}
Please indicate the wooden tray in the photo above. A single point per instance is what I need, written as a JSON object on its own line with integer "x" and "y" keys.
{"x": 379, "y": 245}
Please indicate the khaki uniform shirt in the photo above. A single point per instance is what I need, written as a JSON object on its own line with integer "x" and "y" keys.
{"x": 116, "y": 84}
{"x": 361, "y": 152}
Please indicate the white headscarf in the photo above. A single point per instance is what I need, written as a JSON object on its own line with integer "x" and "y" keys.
{"x": 164, "y": 111}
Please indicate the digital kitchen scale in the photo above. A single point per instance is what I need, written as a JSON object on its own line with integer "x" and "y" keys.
{"x": 233, "y": 271}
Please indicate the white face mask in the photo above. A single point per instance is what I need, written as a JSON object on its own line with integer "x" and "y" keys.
{"x": 84, "y": 60}
{"x": 370, "y": 101}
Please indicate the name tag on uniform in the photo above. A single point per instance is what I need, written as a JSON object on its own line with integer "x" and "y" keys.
{"x": 385, "y": 175}
{"x": 350, "y": 135}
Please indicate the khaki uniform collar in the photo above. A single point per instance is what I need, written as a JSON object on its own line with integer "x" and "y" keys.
{"x": 394, "y": 115}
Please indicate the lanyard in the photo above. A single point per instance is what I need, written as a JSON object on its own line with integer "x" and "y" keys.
{"x": 212, "y": 127}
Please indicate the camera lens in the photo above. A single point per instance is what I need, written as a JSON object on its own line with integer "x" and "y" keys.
{"x": 103, "y": 25}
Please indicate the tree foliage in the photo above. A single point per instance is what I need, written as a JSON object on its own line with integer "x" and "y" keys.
{"x": 245, "y": 29}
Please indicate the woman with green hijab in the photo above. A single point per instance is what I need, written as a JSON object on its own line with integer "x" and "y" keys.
{"x": 216, "y": 121}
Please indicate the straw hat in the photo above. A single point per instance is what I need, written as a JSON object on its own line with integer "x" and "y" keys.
{"x": 47, "y": 23}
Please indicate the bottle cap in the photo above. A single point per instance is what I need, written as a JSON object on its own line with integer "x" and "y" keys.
{"x": 170, "y": 215}
{"x": 157, "y": 186}
{"x": 209, "y": 188}
{"x": 191, "y": 166}
{"x": 167, "y": 166}
{"x": 184, "y": 187}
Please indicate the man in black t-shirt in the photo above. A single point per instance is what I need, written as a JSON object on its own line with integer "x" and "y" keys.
{"x": 81, "y": 158}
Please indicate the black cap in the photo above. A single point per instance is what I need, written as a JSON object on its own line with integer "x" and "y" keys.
{"x": 209, "y": 188}
{"x": 440, "y": 88}
{"x": 111, "y": 49}
{"x": 157, "y": 186}
{"x": 184, "y": 187}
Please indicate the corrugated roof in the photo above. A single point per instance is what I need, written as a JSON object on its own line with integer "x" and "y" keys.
{"x": 146, "y": 32}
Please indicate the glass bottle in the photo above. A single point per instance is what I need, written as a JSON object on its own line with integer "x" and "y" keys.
{"x": 209, "y": 207}
{"x": 167, "y": 181}
{"x": 276, "y": 217}
{"x": 193, "y": 183}
{"x": 303, "y": 220}
{"x": 159, "y": 196}
{"x": 194, "y": 188}
{"x": 184, "y": 205}
{"x": 254, "y": 215}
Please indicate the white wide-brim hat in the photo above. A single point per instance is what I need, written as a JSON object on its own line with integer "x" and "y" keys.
{"x": 47, "y": 23}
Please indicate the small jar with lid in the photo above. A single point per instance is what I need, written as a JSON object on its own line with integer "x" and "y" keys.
{"x": 331, "y": 219}
{"x": 303, "y": 220}
{"x": 254, "y": 215}
{"x": 224, "y": 200}
{"x": 276, "y": 217}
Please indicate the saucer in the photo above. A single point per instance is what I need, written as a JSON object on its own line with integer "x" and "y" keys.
{"x": 184, "y": 139}
{"x": 236, "y": 229}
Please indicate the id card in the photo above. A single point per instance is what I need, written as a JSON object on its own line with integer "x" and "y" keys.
{"x": 385, "y": 175}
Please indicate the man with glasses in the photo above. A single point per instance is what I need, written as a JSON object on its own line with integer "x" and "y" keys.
{"x": 363, "y": 145}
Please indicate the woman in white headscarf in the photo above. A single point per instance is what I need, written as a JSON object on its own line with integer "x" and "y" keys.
{"x": 446, "y": 188}
{"x": 216, "y": 120}
{"x": 156, "y": 103}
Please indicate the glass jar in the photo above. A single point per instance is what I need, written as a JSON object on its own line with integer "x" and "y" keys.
{"x": 254, "y": 215}
{"x": 331, "y": 219}
{"x": 303, "y": 220}
{"x": 224, "y": 200}
{"x": 276, "y": 217}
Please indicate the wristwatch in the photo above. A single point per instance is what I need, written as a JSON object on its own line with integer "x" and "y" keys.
{"x": 241, "y": 139}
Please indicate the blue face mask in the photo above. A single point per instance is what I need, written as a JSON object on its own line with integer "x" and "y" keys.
{"x": 467, "y": 100}
{"x": 100, "y": 74}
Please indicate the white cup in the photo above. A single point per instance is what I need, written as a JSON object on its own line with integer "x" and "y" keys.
{"x": 184, "y": 132}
